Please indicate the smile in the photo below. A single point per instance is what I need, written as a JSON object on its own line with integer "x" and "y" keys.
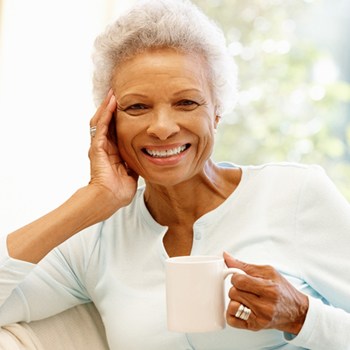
{"x": 165, "y": 152}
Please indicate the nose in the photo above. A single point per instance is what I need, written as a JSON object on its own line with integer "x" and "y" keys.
{"x": 163, "y": 124}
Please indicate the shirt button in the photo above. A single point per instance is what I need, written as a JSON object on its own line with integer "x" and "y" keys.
{"x": 197, "y": 236}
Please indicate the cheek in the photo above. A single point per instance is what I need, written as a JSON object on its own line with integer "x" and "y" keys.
{"x": 127, "y": 129}
{"x": 123, "y": 137}
{"x": 205, "y": 128}
{"x": 124, "y": 129}
{"x": 207, "y": 131}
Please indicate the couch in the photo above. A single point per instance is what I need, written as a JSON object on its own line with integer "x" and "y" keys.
{"x": 79, "y": 328}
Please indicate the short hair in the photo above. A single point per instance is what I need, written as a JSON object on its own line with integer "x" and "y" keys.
{"x": 177, "y": 24}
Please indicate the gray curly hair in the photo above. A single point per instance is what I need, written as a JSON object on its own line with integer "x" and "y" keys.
{"x": 177, "y": 24}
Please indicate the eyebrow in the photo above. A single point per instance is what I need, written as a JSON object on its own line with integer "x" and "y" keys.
{"x": 188, "y": 90}
{"x": 175, "y": 94}
{"x": 134, "y": 95}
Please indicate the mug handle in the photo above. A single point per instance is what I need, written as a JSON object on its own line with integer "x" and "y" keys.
{"x": 232, "y": 270}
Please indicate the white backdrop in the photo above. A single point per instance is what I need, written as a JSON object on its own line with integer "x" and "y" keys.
{"x": 45, "y": 101}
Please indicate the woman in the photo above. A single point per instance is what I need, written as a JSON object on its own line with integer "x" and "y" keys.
{"x": 169, "y": 80}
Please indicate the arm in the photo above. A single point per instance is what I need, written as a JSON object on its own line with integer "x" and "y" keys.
{"x": 326, "y": 327}
{"x": 110, "y": 188}
{"x": 320, "y": 249}
{"x": 35, "y": 291}
{"x": 32, "y": 242}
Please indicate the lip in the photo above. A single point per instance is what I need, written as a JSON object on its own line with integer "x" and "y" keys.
{"x": 169, "y": 160}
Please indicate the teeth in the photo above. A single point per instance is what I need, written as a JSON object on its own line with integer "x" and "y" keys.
{"x": 165, "y": 153}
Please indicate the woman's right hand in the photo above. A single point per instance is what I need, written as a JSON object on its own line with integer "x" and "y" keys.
{"x": 111, "y": 187}
{"x": 109, "y": 173}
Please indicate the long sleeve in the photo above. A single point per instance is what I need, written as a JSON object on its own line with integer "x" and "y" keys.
{"x": 12, "y": 273}
{"x": 31, "y": 292}
{"x": 322, "y": 250}
{"x": 326, "y": 328}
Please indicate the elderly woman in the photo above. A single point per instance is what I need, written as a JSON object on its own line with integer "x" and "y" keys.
{"x": 163, "y": 79}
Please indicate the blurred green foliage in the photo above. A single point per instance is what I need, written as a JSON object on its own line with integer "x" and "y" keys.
{"x": 292, "y": 105}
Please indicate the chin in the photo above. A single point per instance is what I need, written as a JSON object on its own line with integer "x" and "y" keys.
{"x": 164, "y": 180}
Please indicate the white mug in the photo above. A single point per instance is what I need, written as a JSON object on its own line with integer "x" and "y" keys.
{"x": 195, "y": 293}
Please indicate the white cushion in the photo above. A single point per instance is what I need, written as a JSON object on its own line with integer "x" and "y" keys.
{"x": 78, "y": 328}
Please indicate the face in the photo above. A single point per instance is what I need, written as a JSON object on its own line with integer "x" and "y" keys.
{"x": 165, "y": 117}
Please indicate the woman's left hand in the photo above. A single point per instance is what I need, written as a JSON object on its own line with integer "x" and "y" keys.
{"x": 274, "y": 302}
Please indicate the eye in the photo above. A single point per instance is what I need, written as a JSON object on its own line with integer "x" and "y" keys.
{"x": 187, "y": 105}
{"x": 136, "y": 109}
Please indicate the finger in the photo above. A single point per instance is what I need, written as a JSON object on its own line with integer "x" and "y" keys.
{"x": 106, "y": 115}
{"x": 252, "y": 301}
{"x": 103, "y": 118}
{"x": 101, "y": 109}
{"x": 132, "y": 173}
{"x": 239, "y": 315}
{"x": 262, "y": 271}
{"x": 118, "y": 165}
{"x": 232, "y": 262}
{"x": 112, "y": 130}
{"x": 250, "y": 287}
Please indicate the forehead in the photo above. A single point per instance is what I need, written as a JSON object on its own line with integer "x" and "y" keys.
{"x": 162, "y": 67}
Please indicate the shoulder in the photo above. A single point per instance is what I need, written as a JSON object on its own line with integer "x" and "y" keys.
{"x": 309, "y": 185}
{"x": 284, "y": 169}
{"x": 281, "y": 170}
{"x": 291, "y": 176}
{"x": 303, "y": 184}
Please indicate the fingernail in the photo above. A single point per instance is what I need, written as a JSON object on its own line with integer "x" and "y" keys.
{"x": 110, "y": 93}
{"x": 111, "y": 101}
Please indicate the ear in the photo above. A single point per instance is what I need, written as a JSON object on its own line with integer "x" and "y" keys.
{"x": 216, "y": 121}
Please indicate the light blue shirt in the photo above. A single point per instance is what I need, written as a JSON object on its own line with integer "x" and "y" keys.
{"x": 288, "y": 216}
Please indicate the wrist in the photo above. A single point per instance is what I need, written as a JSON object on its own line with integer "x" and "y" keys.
{"x": 95, "y": 204}
{"x": 300, "y": 316}
{"x": 84, "y": 208}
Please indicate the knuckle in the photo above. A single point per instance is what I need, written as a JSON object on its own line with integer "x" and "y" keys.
{"x": 231, "y": 309}
{"x": 240, "y": 281}
{"x": 232, "y": 293}
{"x": 230, "y": 320}
{"x": 268, "y": 267}
{"x": 273, "y": 292}
{"x": 94, "y": 147}
{"x": 267, "y": 317}
{"x": 244, "y": 265}
{"x": 270, "y": 271}
{"x": 255, "y": 328}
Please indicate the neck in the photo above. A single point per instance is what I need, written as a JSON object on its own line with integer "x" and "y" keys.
{"x": 184, "y": 203}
